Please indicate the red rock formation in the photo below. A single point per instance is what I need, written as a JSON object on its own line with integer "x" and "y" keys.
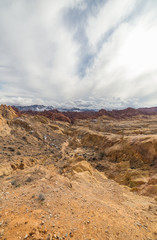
{"x": 71, "y": 116}
{"x": 52, "y": 114}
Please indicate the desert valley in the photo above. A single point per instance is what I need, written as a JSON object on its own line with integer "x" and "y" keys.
{"x": 83, "y": 176}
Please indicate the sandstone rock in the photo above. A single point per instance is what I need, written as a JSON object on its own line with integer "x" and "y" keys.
{"x": 91, "y": 139}
{"x": 56, "y": 128}
{"x": 135, "y": 182}
{"x": 7, "y": 112}
{"x": 145, "y": 147}
{"x": 153, "y": 180}
{"x": 133, "y": 177}
{"x": 82, "y": 167}
{"x": 149, "y": 190}
{"x": 5, "y": 170}
{"x": 84, "y": 172}
{"x": 135, "y": 162}
{"x": 4, "y": 128}
{"x": 22, "y": 123}
{"x": 42, "y": 119}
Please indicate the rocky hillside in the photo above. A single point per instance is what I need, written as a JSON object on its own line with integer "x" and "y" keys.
{"x": 93, "y": 179}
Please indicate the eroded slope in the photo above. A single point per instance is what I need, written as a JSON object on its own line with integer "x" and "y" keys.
{"x": 55, "y": 179}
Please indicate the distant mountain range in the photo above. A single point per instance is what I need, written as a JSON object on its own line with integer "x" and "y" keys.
{"x": 64, "y": 114}
{"x": 129, "y": 110}
{"x": 41, "y": 108}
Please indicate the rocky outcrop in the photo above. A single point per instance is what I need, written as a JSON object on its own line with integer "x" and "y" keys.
{"x": 22, "y": 123}
{"x": 129, "y": 160}
{"x": 6, "y": 115}
{"x": 4, "y": 128}
{"x": 8, "y": 112}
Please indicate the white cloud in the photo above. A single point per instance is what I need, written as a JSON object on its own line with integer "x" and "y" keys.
{"x": 37, "y": 46}
{"x": 106, "y": 19}
{"x": 126, "y": 65}
{"x": 40, "y": 55}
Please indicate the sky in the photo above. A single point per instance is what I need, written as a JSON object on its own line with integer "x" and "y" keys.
{"x": 78, "y": 53}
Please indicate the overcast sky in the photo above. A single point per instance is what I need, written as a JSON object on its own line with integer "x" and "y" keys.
{"x": 95, "y": 53}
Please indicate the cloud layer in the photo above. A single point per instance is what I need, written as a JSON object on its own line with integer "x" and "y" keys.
{"x": 96, "y": 53}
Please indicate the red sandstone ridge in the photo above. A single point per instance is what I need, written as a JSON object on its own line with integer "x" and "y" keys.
{"x": 117, "y": 114}
{"x": 148, "y": 111}
{"x": 54, "y": 115}
{"x": 71, "y": 116}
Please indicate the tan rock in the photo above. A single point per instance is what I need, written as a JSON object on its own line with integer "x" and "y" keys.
{"x": 153, "y": 180}
{"x": 4, "y": 128}
{"x": 149, "y": 190}
{"x": 7, "y": 112}
{"x": 22, "y": 123}
{"x": 5, "y": 170}
{"x": 133, "y": 177}
{"x": 82, "y": 166}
